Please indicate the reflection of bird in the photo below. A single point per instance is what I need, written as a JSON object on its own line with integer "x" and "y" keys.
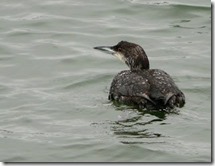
{"x": 141, "y": 86}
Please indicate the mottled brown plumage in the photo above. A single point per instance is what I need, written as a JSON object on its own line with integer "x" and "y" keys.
{"x": 140, "y": 86}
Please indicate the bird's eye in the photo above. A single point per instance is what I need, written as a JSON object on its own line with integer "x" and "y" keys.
{"x": 119, "y": 49}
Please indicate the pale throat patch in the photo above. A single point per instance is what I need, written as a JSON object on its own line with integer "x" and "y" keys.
{"x": 120, "y": 56}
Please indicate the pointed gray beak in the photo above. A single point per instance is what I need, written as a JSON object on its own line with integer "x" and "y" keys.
{"x": 106, "y": 49}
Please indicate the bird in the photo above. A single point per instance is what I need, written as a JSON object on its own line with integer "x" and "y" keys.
{"x": 140, "y": 86}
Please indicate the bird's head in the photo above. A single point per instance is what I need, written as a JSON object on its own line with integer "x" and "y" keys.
{"x": 130, "y": 53}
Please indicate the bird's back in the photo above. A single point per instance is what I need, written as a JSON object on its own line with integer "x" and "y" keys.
{"x": 151, "y": 88}
{"x": 163, "y": 88}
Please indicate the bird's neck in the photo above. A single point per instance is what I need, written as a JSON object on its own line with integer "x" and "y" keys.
{"x": 138, "y": 63}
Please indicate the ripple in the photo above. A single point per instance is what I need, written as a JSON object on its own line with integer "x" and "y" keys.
{"x": 54, "y": 86}
{"x": 191, "y": 7}
{"x": 91, "y": 80}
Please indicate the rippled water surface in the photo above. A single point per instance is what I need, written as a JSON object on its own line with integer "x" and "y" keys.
{"x": 54, "y": 86}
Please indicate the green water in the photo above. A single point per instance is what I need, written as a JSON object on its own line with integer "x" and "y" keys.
{"x": 54, "y": 85}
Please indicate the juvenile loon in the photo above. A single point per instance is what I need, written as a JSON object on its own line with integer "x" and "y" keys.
{"x": 140, "y": 86}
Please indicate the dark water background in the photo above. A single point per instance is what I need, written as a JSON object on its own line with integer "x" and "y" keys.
{"x": 54, "y": 86}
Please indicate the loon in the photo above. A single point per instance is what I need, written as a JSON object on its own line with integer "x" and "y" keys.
{"x": 141, "y": 86}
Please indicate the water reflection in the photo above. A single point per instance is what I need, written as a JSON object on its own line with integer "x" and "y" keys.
{"x": 138, "y": 127}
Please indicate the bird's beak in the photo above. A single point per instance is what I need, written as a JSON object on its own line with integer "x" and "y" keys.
{"x": 109, "y": 50}
{"x": 106, "y": 49}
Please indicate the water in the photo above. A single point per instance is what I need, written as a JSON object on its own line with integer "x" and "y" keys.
{"x": 54, "y": 85}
